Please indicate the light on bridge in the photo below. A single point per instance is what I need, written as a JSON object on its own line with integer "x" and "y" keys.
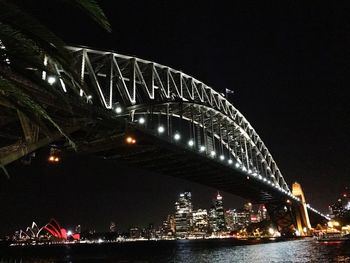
{"x": 237, "y": 165}
{"x": 118, "y": 109}
{"x": 202, "y": 148}
{"x": 51, "y": 80}
{"x": 212, "y": 153}
{"x": 190, "y": 143}
{"x": 54, "y": 156}
{"x": 161, "y": 129}
{"x": 177, "y": 136}
{"x": 222, "y": 157}
{"x": 53, "y": 159}
{"x": 130, "y": 140}
{"x": 142, "y": 120}
{"x": 229, "y": 161}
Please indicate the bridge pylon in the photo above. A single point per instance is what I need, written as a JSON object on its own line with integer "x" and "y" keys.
{"x": 302, "y": 216}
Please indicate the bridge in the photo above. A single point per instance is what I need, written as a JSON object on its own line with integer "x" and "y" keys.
{"x": 152, "y": 116}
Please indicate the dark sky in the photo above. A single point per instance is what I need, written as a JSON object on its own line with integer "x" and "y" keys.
{"x": 288, "y": 64}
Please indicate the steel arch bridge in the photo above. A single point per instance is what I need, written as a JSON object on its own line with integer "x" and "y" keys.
{"x": 142, "y": 86}
{"x": 158, "y": 103}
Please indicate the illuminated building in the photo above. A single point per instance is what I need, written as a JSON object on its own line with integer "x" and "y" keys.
{"x": 237, "y": 219}
{"x": 51, "y": 230}
{"x": 200, "y": 221}
{"x": 336, "y": 209}
{"x": 220, "y": 215}
{"x": 212, "y": 220}
{"x": 229, "y": 219}
{"x": 262, "y": 211}
{"x": 168, "y": 227}
{"x": 135, "y": 233}
{"x": 183, "y": 214}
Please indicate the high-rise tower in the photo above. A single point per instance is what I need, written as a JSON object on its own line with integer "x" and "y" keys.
{"x": 183, "y": 214}
{"x": 220, "y": 214}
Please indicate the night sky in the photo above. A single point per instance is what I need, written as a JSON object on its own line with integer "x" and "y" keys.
{"x": 288, "y": 64}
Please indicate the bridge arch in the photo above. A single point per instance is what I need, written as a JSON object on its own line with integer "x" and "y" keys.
{"x": 144, "y": 87}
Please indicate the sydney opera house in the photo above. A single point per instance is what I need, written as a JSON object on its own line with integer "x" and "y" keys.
{"x": 52, "y": 231}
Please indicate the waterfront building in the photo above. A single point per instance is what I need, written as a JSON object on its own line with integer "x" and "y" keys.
{"x": 135, "y": 233}
{"x": 262, "y": 211}
{"x": 212, "y": 220}
{"x": 336, "y": 209}
{"x": 168, "y": 226}
{"x": 220, "y": 215}
{"x": 229, "y": 219}
{"x": 183, "y": 214}
{"x": 200, "y": 221}
{"x": 237, "y": 219}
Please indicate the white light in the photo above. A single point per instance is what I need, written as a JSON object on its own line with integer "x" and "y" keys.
{"x": 260, "y": 177}
{"x": 177, "y": 136}
{"x": 255, "y": 174}
{"x": 237, "y": 165}
{"x": 89, "y": 97}
{"x": 265, "y": 180}
{"x": 142, "y": 120}
{"x": 202, "y": 148}
{"x": 230, "y": 161}
{"x": 161, "y": 129}
{"x": 212, "y": 153}
{"x": 51, "y": 80}
{"x": 69, "y": 233}
{"x": 118, "y": 109}
{"x": 249, "y": 171}
{"x": 100, "y": 240}
{"x": 271, "y": 231}
{"x": 222, "y": 157}
{"x": 190, "y": 143}
{"x": 244, "y": 169}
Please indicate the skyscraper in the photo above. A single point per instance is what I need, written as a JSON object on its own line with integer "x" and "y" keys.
{"x": 183, "y": 214}
{"x": 262, "y": 212}
{"x": 212, "y": 220}
{"x": 220, "y": 214}
{"x": 200, "y": 221}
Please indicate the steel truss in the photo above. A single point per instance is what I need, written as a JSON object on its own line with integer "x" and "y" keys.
{"x": 162, "y": 94}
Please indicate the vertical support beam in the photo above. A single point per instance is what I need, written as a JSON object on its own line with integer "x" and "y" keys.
{"x": 205, "y": 144}
{"x": 212, "y": 130}
{"x": 168, "y": 119}
{"x": 246, "y": 152}
{"x": 82, "y": 70}
{"x": 132, "y": 81}
{"x": 110, "y": 80}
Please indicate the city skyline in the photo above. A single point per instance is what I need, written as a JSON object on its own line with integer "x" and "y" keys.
{"x": 186, "y": 219}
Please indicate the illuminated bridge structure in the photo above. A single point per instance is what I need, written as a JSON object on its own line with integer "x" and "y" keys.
{"x": 176, "y": 125}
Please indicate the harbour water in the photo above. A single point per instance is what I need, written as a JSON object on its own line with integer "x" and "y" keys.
{"x": 305, "y": 250}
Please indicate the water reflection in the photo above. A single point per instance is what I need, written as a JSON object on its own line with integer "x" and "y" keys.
{"x": 187, "y": 251}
